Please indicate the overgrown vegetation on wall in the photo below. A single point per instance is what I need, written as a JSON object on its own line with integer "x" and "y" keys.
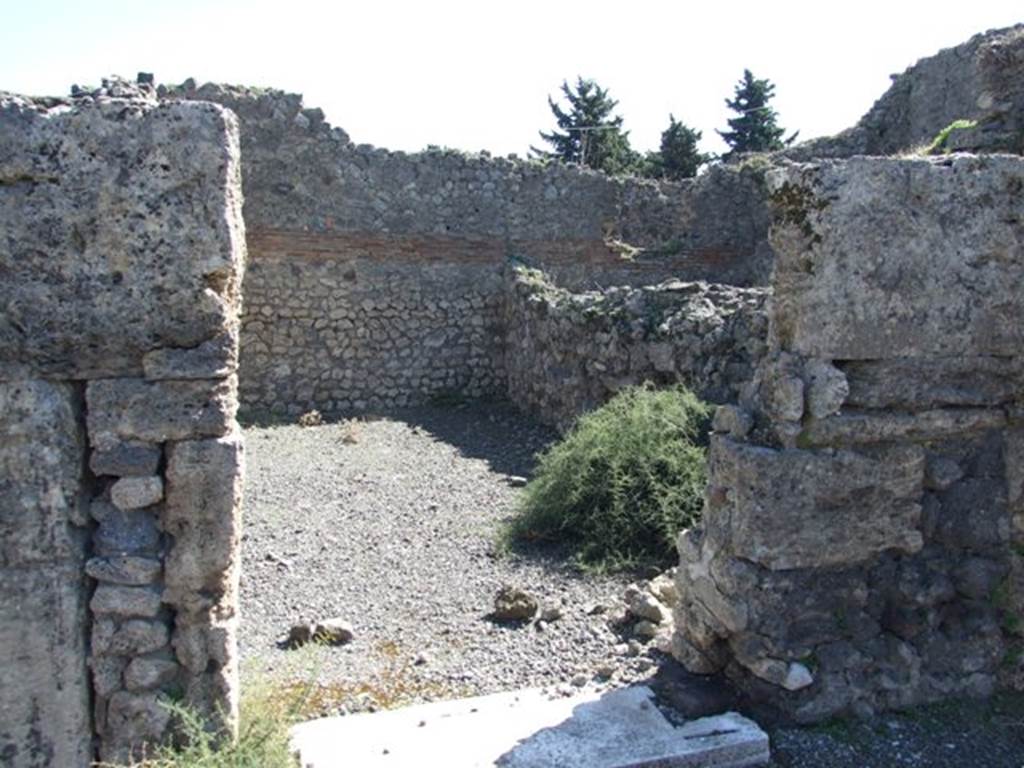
{"x": 622, "y": 483}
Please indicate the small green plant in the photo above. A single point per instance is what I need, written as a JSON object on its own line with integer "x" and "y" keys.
{"x": 266, "y": 712}
{"x": 622, "y": 483}
{"x": 939, "y": 143}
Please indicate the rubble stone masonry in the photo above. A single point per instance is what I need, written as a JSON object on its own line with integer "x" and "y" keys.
{"x": 861, "y": 544}
{"x": 377, "y": 278}
{"x": 120, "y": 459}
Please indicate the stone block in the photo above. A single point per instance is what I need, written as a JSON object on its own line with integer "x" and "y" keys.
{"x": 123, "y": 232}
{"x": 920, "y": 384}
{"x": 797, "y": 508}
{"x": 146, "y": 674}
{"x": 202, "y": 514}
{"x": 978, "y": 577}
{"x": 941, "y": 472}
{"x": 204, "y": 641}
{"x": 973, "y": 514}
{"x": 126, "y": 459}
{"x": 132, "y": 532}
{"x": 796, "y": 610}
{"x": 137, "y": 492}
{"x": 133, "y": 721}
{"x": 123, "y": 601}
{"x": 792, "y": 676}
{"x": 158, "y": 411}
{"x": 45, "y": 712}
{"x": 107, "y": 674}
{"x": 215, "y": 693}
{"x": 863, "y": 275}
{"x": 213, "y": 359}
{"x": 732, "y": 420}
{"x": 129, "y": 638}
{"x": 850, "y": 428}
{"x": 826, "y": 388}
{"x": 41, "y": 458}
{"x": 124, "y": 569}
{"x": 1014, "y": 457}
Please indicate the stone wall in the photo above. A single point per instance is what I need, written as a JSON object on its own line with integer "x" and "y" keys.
{"x": 980, "y": 80}
{"x": 340, "y": 333}
{"x": 376, "y": 276}
{"x": 568, "y": 353}
{"x": 120, "y": 460}
{"x": 861, "y": 543}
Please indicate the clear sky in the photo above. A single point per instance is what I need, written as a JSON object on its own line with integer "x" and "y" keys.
{"x": 476, "y": 75}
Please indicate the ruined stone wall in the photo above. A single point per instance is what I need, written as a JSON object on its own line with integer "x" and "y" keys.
{"x": 120, "y": 459}
{"x": 568, "y": 353}
{"x": 376, "y": 276}
{"x": 860, "y": 548}
{"x": 980, "y": 80}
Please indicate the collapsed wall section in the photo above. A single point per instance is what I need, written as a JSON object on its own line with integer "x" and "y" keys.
{"x": 120, "y": 459}
{"x": 568, "y": 353}
{"x": 860, "y": 548}
{"x": 376, "y": 276}
{"x": 980, "y": 81}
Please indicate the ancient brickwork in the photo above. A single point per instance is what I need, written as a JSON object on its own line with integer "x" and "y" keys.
{"x": 120, "y": 460}
{"x": 367, "y": 323}
{"x": 568, "y": 353}
{"x": 376, "y": 276}
{"x": 860, "y": 547}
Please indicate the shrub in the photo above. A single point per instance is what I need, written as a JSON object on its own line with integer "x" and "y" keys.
{"x": 622, "y": 483}
{"x": 266, "y": 712}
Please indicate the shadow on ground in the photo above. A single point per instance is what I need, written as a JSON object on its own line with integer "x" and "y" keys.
{"x": 494, "y": 431}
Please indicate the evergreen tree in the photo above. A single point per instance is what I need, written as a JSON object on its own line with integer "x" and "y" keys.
{"x": 587, "y": 132}
{"x": 678, "y": 157}
{"x": 755, "y": 128}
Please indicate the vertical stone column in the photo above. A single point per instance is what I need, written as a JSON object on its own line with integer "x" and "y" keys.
{"x": 166, "y": 551}
{"x": 857, "y": 549}
{"x": 44, "y": 690}
{"x": 120, "y": 457}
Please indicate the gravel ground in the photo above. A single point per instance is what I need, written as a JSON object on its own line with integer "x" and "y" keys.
{"x": 390, "y": 524}
{"x": 960, "y": 734}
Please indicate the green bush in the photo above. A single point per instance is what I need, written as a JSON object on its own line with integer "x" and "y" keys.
{"x": 622, "y": 483}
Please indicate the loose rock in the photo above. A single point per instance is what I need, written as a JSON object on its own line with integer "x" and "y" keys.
{"x": 513, "y": 604}
{"x": 333, "y": 631}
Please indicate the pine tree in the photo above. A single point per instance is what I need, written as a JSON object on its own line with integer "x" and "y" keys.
{"x": 755, "y": 129}
{"x": 587, "y": 132}
{"x": 678, "y": 157}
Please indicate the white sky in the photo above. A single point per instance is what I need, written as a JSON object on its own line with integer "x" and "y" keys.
{"x": 476, "y": 75}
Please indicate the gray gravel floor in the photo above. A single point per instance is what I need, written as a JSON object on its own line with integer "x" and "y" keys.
{"x": 958, "y": 734}
{"x": 395, "y": 533}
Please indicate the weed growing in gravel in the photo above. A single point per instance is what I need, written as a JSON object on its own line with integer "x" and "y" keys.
{"x": 622, "y": 483}
{"x": 266, "y": 712}
{"x": 398, "y": 681}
